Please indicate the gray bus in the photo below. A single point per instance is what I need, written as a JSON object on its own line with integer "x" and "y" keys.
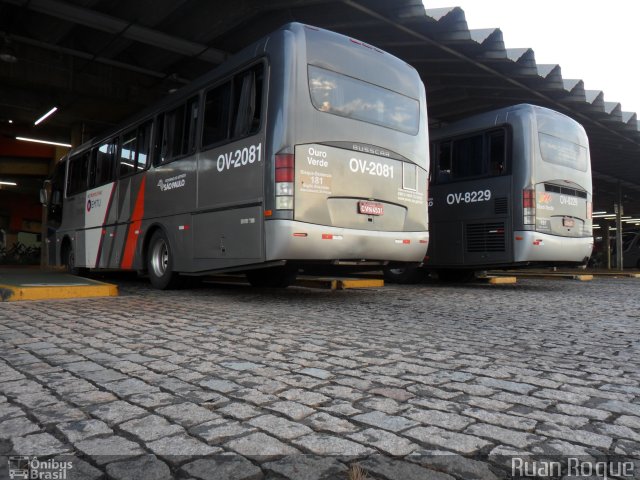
{"x": 509, "y": 188}
{"x": 306, "y": 149}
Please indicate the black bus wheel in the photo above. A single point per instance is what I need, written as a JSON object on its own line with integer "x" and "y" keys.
{"x": 160, "y": 262}
{"x": 69, "y": 261}
{"x": 405, "y": 275}
{"x": 274, "y": 277}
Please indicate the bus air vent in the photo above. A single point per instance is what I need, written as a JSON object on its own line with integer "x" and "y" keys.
{"x": 500, "y": 206}
{"x": 485, "y": 237}
{"x": 572, "y": 192}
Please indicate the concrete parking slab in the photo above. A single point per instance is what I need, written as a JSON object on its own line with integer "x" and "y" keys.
{"x": 420, "y": 381}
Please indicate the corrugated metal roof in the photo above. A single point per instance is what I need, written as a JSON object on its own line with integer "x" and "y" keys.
{"x": 104, "y": 59}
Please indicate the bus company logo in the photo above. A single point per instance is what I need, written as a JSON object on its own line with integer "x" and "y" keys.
{"x": 92, "y": 204}
{"x": 172, "y": 183}
{"x": 544, "y": 198}
{"x": 372, "y": 150}
{"x": 21, "y": 466}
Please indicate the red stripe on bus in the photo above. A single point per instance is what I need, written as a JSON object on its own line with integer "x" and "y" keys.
{"x": 104, "y": 222}
{"x": 134, "y": 226}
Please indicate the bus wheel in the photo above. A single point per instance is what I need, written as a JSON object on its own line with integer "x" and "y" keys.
{"x": 455, "y": 275}
{"x": 274, "y": 277}
{"x": 160, "y": 262}
{"x": 404, "y": 275}
{"x": 69, "y": 262}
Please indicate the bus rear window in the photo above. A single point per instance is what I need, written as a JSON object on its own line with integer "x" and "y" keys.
{"x": 352, "y": 98}
{"x": 563, "y": 152}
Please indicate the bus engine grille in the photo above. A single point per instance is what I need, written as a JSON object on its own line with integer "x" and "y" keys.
{"x": 485, "y": 237}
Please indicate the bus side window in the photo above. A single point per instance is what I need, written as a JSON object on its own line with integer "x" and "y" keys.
{"x": 497, "y": 153}
{"x": 144, "y": 145}
{"x": 77, "y": 175}
{"x": 128, "y": 153}
{"x": 216, "y": 114}
{"x": 104, "y": 164}
{"x": 467, "y": 157}
{"x": 444, "y": 162}
{"x": 177, "y": 131}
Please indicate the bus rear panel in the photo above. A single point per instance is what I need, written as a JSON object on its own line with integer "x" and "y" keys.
{"x": 511, "y": 188}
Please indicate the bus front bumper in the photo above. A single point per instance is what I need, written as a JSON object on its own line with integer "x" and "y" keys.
{"x": 292, "y": 240}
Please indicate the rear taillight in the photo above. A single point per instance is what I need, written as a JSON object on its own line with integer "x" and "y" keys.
{"x": 529, "y": 206}
{"x": 284, "y": 176}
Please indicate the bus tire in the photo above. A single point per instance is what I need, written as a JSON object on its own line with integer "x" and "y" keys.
{"x": 273, "y": 277}
{"x": 160, "y": 263}
{"x": 406, "y": 275}
{"x": 69, "y": 261}
{"x": 456, "y": 275}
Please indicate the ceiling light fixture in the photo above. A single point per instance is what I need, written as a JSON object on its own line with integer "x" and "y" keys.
{"x": 46, "y": 115}
{"x": 11, "y": 184}
{"x": 47, "y": 142}
{"x": 7, "y": 54}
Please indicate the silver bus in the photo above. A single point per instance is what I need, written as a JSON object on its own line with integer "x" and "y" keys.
{"x": 509, "y": 188}
{"x": 306, "y": 149}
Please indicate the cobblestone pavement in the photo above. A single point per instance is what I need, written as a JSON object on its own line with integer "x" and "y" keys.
{"x": 407, "y": 382}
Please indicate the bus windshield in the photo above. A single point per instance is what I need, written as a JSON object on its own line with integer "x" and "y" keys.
{"x": 352, "y": 98}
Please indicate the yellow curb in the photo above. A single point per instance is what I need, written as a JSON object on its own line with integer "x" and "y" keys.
{"x": 501, "y": 280}
{"x": 19, "y": 293}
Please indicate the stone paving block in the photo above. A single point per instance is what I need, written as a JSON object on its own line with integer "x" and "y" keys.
{"x": 151, "y": 427}
{"x": 565, "y": 397}
{"x": 187, "y": 414}
{"x": 117, "y": 412}
{"x": 502, "y": 435}
{"x": 514, "y": 387}
{"x": 103, "y": 376}
{"x": 307, "y": 467}
{"x": 239, "y": 411}
{"x": 557, "y": 418}
{"x": 82, "y": 429}
{"x": 279, "y": 427}
{"x": 220, "y": 430}
{"x": 624, "y": 408}
{"x": 260, "y": 446}
{"x": 340, "y": 407}
{"x": 383, "y": 404}
{"x": 16, "y": 388}
{"x": 293, "y": 410}
{"x": 456, "y": 442}
{"x": 574, "y": 435}
{"x": 154, "y": 399}
{"x": 311, "y": 399}
{"x": 130, "y": 386}
{"x": 57, "y": 412}
{"x": 387, "y": 442}
{"x": 223, "y": 467}
{"x": 179, "y": 448}
{"x": 93, "y": 397}
{"x": 391, "y": 469}
{"x": 39, "y": 444}
{"x": 326, "y": 445}
{"x": 109, "y": 449}
{"x": 147, "y": 467}
{"x": 386, "y": 422}
{"x": 8, "y": 411}
{"x": 317, "y": 373}
{"x": 628, "y": 421}
{"x": 218, "y": 385}
{"x": 447, "y": 420}
{"x": 17, "y": 427}
{"x": 323, "y": 422}
{"x": 617, "y": 431}
{"x": 339, "y": 391}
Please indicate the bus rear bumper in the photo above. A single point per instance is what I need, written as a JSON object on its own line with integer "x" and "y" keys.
{"x": 541, "y": 247}
{"x": 292, "y": 240}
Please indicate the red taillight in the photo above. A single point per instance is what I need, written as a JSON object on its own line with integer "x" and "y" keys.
{"x": 529, "y": 206}
{"x": 284, "y": 178}
{"x": 528, "y": 198}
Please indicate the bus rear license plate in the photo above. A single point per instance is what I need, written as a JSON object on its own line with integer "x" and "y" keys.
{"x": 568, "y": 222}
{"x": 370, "y": 208}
